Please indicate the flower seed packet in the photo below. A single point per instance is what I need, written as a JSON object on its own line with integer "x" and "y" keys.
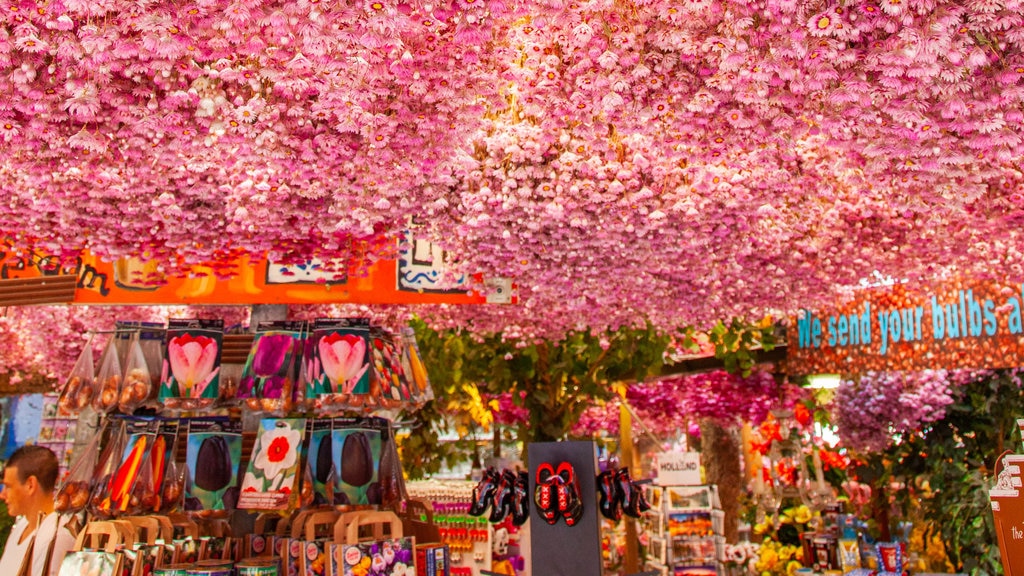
{"x": 320, "y": 460}
{"x": 338, "y": 371}
{"x": 389, "y": 375}
{"x": 271, "y": 480}
{"x": 357, "y": 445}
{"x": 190, "y": 377}
{"x": 269, "y": 375}
{"x": 212, "y": 458}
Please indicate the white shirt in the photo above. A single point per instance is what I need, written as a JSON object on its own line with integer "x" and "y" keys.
{"x": 14, "y": 552}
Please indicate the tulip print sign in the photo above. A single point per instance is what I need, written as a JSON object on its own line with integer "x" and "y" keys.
{"x": 956, "y": 324}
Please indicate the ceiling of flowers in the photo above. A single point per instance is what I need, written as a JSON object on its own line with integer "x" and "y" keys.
{"x": 680, "y": 161}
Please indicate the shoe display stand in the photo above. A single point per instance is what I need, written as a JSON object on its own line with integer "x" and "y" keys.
{"x": 686, "y": 526}
{"x": 469, "y": 538}
{"x": 559, "y": 549}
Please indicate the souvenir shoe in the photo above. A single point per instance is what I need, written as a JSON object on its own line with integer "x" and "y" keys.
{"x": 570, "y": 503}
{"x": 622, "y": 489}
{"x": 544, "y": 494}
{"x": 638, "y": 501}
{"x": 483, "y": 493}
{"x": 610, "y": 503}
{"x": 502, "y": 504}
{"x": 520, "y": 500}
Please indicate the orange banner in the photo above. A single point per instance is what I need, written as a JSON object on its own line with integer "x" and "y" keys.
{"x": 412, "y": 278}
{"x": 959, "y": 324}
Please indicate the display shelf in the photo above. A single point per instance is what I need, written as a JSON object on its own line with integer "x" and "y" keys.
{"x": 686, "y": 525}
{"x": 469, "y": 538}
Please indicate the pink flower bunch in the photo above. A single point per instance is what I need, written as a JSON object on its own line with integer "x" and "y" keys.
{"x": 666, "y": 406}
{"x": 658, "y": 161}
{"x": 870, "y": 412}
{"x": 507, "y": 412}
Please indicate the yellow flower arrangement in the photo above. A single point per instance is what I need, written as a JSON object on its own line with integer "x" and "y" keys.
{"x": 781, "y": 553}
{"x": 776, "y": 559}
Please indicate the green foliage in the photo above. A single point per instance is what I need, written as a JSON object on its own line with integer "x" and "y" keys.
{"x": 6, "y": 523}
{"x": 950, "y": 467}
{"x": 554, "y": 381}
{"x": 422, "y": 451}
{"x": 736, "y": 343}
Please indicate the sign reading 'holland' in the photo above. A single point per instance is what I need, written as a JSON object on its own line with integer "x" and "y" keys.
{"x": 959, "y": 324}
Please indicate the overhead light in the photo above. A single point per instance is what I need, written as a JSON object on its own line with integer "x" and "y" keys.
{"x": 827, "y": 381}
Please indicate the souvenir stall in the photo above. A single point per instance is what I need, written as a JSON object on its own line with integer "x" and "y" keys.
{"x": 270, "y": 458}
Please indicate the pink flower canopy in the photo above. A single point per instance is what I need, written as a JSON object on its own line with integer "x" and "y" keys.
{"x": 677, "y": 161}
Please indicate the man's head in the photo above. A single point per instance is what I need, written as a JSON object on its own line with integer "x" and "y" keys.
{"x": 29, "y": 479}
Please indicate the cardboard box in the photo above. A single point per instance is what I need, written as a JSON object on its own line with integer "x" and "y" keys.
{"x": 433, "y": 560}
{"x": 384, "y": 557}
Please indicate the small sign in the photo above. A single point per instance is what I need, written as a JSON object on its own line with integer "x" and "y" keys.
{"x": 679, "y": 469}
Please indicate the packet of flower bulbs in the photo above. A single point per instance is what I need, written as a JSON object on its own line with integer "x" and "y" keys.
{"x": 389, "y": 473}
{"x": 272, "y": 478}
{"x": 73, "y": 493}
{"x": 357, "y": 445}
{"x": 79, "y": 387}
{"x": 320, "y": 462}
{"x": 190, "y": 378}
{"x": 338, "y": 371}
{"x": 412, "y": 360}
{"x": 165, "y": 482}
{"x": 136, "y": 385}
{"x": 130, "y": 490}
{"x": 110, "y": 460}
{"x": 143, "y": 358}
{"x": 212, "y": 458}
{"x": 270, "y": 372}
{"x": 391, "y": 384}
{"x": 108, "y": 379}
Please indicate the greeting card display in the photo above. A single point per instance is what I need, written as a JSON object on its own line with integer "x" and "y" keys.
{"x": 190, "y": 377}
{"x": 272, "y": 479}
{"x": 357, "y": 447}
{"x": 337, "y": 370}
{"x": 212, "y": 458}
{"x": 270, "y": 372}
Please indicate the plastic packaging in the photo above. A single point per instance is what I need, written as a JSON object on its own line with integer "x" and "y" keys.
{"x": 137, "y": 384}
{"x": 108, "y": 379}
{"x": 79, "y": 388}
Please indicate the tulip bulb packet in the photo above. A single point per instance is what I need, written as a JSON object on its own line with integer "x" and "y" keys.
{"x": 190, "y": 378}
{"x": 389, "y": 375}
{"x": 270, "y": 372}
{"x": 357, "y": 446}
{"x": 212, "y": 458}
{"x": 320, "y": 460}
{"x": 336, "y": 369}
{"x": 272, "y": 478}
{"x": 121, "y": 495}
{"x": 416, "y": 372}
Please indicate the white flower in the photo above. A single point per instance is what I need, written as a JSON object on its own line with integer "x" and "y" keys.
{"x": 279, "y": 448}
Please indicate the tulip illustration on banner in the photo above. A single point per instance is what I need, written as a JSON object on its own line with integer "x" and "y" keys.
{"x": 343, "y": 357}
{"x": 191, "y": 365}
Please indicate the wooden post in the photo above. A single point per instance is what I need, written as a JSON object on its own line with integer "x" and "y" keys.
{"x": 631, "y": 563}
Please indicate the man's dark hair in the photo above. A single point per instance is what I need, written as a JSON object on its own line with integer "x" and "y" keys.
{"x": 38, "y": 461}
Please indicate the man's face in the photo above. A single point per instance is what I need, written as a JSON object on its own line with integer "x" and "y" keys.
{"x": 15, "y": 492}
